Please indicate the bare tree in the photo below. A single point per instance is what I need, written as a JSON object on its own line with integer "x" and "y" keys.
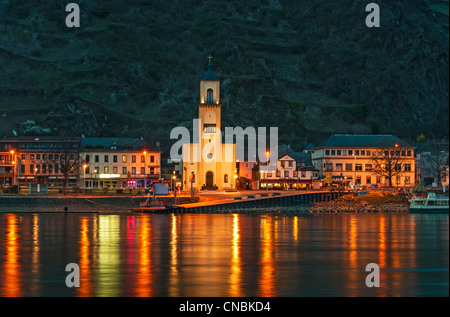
{"x": 435, "y": 163}
{"x": 388, "y": 161}
{"x": 68, "y": 160}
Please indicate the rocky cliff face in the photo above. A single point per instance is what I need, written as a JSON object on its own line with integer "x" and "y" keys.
{"x": 310, "y": 67}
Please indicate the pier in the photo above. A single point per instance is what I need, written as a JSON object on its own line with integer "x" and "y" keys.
{"x": 257, "y": 200}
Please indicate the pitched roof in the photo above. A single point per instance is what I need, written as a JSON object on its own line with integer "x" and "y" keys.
{"x": 209, "y": 74}
{"x": 362, "y": 140}
{"x": 106, "y": 143}
{"x": 298, "y": 156}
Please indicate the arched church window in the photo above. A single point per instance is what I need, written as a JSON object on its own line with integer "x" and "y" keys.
{"x": 225, "y": 178}
{"x": 209, "y": 96}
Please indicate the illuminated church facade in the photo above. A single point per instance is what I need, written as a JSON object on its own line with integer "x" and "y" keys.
{"x": 209, "y": 163}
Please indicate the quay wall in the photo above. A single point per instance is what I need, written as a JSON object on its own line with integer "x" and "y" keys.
{"x": 76, "y": 204}
{"x": 125, "y": 204}
{"x": 266, "y": 204}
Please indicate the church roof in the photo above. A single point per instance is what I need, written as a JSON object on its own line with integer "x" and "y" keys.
{"x": 209, "y": 74}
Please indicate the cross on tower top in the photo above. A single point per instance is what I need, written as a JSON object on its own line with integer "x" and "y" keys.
{"x": 209, "y": 58}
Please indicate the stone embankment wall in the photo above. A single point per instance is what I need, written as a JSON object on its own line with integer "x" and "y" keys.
{"x": 75, "y": 204}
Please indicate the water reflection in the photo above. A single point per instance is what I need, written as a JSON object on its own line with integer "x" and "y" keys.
{"x": 11, "y": 276}
{"x": 224, "y": 255}
{"x": 144, "y": 271}
{"x": 235, "y": 274}
{"x": 174, "y": 287}
{"x": 267, "y": 279}
{"x": 35, "y": 263}
{"x": 109, "y": 256}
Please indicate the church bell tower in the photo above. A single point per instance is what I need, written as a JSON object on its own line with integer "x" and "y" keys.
{"x": 209, "y": 108}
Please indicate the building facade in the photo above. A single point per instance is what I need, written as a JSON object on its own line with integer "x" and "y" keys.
{"x": 83, "y": 162}
{"x": 118, "y": 163}
{"x": 209, "y": 163}
{"x": 25, "y": 160}
{"x": 292, "y": 172}
{"x": 366, "y": 159}
{"x": 432, "y": 169}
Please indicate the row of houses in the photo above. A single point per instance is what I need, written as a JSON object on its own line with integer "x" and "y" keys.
{"x": 102, "y": 162}
{"x": 84, "y": 162}
{"x": 348, "y": 160}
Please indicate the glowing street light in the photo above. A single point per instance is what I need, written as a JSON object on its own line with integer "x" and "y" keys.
{"x": 84, "y": 177}
{"x": 267, "y": 162}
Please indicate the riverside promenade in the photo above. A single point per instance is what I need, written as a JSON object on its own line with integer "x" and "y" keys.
{"x": 220, "y": 202}
{"x": 207, "y": 202}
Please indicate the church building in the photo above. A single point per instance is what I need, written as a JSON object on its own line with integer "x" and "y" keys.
{"x": 209, "y": 163}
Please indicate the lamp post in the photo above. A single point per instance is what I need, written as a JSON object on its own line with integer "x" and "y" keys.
{"x": 13, "y": 158}
{"x": 173, "y": 182}
{"x": 145, "y": 173}
{"x": 95, "y": 177}
{"x": 396, "y": 166}
{"x": 174, "y": 190}
{"x": 84, "y": 179}
{"x": 354, "y": 175}
{"x": 267, "y": 176}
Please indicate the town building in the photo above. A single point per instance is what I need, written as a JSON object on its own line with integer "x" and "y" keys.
{"x": 118, "y": 163}
{"x": 432, "y": 169}
{"x": 6, "y": 168}
{"x": 25, "y": 160}
{"x": 216, "y": 169}
{"x": 364, "y": 160}
{"x": 293, "y": 170}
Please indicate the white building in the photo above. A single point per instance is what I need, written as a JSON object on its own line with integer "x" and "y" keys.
{"x": 357, "y": 159}
{"x": 118, "y": 163}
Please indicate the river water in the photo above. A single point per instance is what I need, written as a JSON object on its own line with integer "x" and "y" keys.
{"x": 224, "y": 254}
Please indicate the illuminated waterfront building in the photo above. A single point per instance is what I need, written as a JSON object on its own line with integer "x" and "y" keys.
{"x": 218, "y": 169}
{"x": 362, "y": 160}
{"x": 118, "y": 163}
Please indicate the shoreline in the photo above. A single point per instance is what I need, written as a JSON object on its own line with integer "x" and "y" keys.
{"x": 370, "y": 203}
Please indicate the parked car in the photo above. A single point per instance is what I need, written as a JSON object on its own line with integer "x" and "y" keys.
{"x": 373, "y": 186}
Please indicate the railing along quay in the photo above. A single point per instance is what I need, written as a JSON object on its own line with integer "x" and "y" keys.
{"x": 240, "y": 204}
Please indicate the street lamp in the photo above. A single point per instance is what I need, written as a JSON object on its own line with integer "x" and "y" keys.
{"x": 13, "y": 167}
{"x": 354, "y": 175}
{"x": 145, "y": 169}
{"x": 84, "y": 179}
{"x": 173, "y": 186}
{"x": 267, "y": 162}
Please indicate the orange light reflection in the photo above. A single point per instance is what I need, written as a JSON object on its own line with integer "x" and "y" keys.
{"x": 11, "y": 277}
{"x": 85, "y": 288}
{"x": 144, "y": 277}
{"x": 235, "y": 275}
{"x": 267, "y": 280}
